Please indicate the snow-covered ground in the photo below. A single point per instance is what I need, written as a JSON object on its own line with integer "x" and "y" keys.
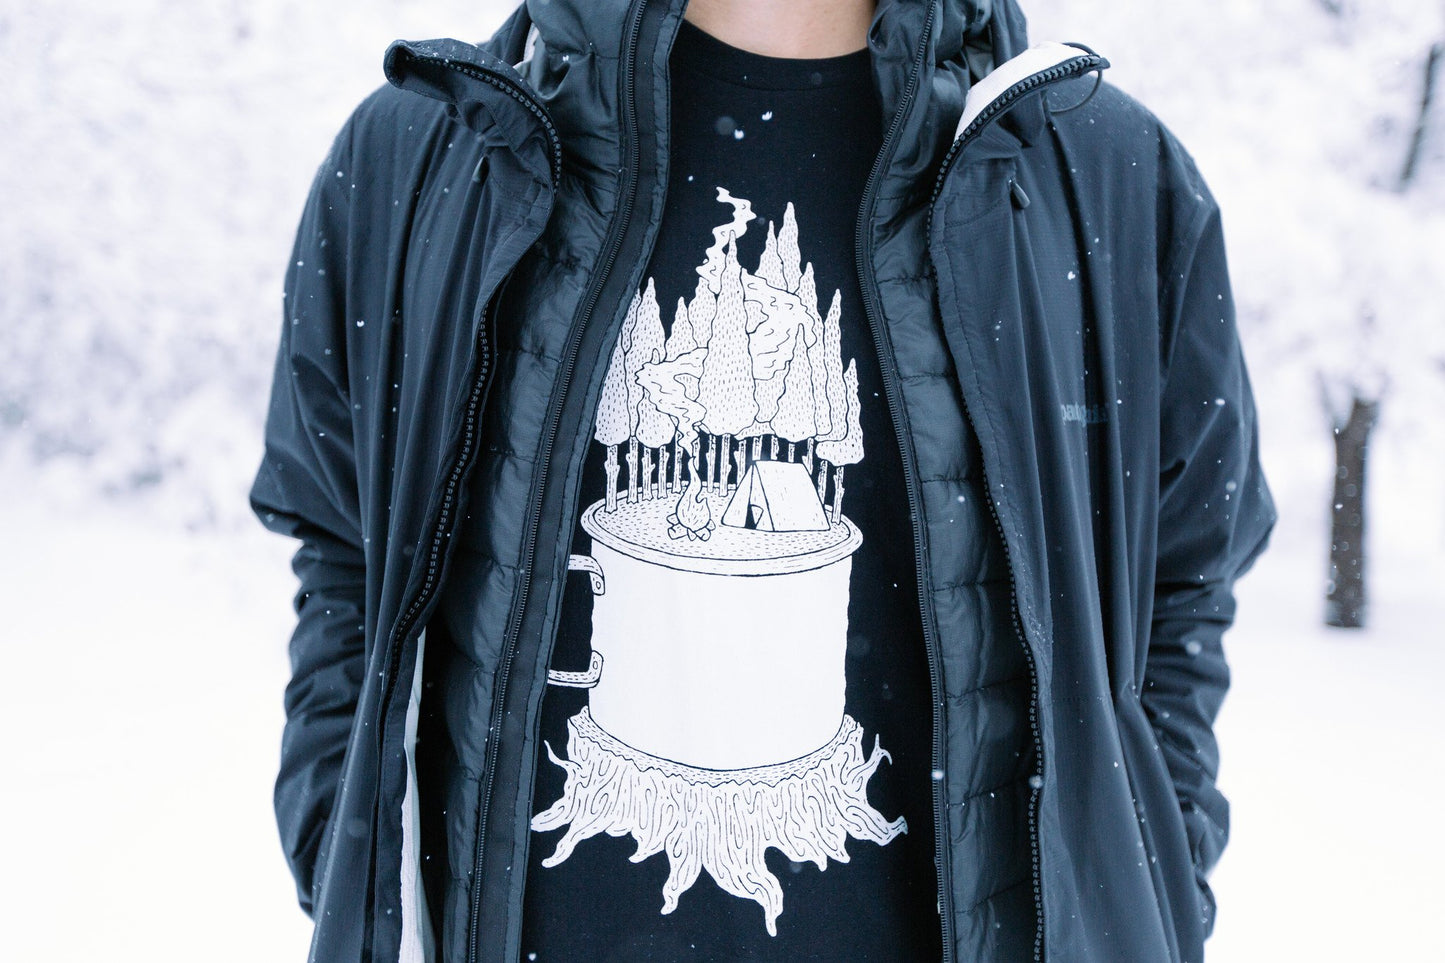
{"x": 1332, "y": 757}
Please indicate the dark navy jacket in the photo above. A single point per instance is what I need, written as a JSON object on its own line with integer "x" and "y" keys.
{"x": 1047, "y": 289}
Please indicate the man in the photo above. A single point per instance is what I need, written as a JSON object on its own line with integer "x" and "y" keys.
{"x": 770, "y": 478}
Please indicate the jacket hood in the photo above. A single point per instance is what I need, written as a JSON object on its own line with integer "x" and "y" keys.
{"x": 567, "y": 51}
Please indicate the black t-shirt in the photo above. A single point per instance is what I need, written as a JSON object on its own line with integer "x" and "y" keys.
{"x": 739, "y": 730}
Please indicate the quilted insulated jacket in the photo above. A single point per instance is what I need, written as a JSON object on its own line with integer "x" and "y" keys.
{"x": 1044, "y": 276}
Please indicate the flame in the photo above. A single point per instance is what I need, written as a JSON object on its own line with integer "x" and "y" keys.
{"x": 693, "y": 516}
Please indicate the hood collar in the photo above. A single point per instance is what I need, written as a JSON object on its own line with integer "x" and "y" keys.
{"x": 574, "y": 48}
{"x": 598, "y": 27}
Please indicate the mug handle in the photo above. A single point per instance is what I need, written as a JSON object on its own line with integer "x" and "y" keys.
{"x": 588, "y": 564}
{"x": 578, "y": 680}
{"x": 598, "y": 584}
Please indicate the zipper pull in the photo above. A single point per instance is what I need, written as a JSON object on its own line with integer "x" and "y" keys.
{"x": 1021, "y": 200}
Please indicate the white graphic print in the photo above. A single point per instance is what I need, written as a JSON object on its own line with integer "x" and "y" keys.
{"x": 716, "y": 728}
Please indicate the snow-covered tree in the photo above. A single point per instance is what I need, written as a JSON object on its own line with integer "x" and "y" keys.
{"x": 796, "y": 417}
{"x": 654, "y": 429}
{"x": 727, "y": 376}
{"x": 700, "y": 312}
{"x": 847, "y": 450}
{"x": 630, "y": 363}
{"x": 788, "y": 249}
{"x": 680, "y": 339}
{"x": 818, "y": 364}
{"x": 808, "y": 294}
{"x": 614, "y": 421}
{"x": 833, "y": 364}
{"x": 770, "y": 265}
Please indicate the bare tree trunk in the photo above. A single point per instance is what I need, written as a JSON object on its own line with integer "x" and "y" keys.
{"x": 1346, "y": 602}
{"x": 632, "y": 469}
{"x": 1427, "y": 95}
{"x": 612, "y": 470}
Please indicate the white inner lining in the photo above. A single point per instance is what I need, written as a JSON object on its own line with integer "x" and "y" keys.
{"x": 1039, "y": 57}
{"x": 417, "y": 945}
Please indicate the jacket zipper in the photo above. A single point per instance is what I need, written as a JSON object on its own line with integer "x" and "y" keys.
{"x": 1036, "y": 778}
{"x": 997, "y": 107}
{"x": 471, "y": 415}
{"x": 863, "y": 252}
{"x": 1073, "y": 67}
{"x": 406, "y": 623}
{"x": 521, "y": 95}
{"x": 569, "y": 363}
{"x": 473, "y": 408}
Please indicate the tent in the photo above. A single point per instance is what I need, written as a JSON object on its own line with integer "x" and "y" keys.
{"x": 776, "y": 496}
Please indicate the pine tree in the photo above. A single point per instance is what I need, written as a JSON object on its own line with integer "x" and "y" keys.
{"x": 788, "y": 249}
{"x": 624, "y": 339}
{"x": 680, "y": 339}
{"x": 847, "y": 450}
{"x": 628, "y": 323}
{"x": 613, "y": 424}
{"x": 653, "y": 428}
{"x": 808, "y": 294}
{"x": 796, "y": 410}
{"x": 700, "y": 312}
{"x": 818, "y": 365}
{"x": 726, "y": 389}
{"x": 833, "y": 363}
{"x": 770, "y": 265}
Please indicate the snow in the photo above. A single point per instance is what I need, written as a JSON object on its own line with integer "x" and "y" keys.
{"x": 1331, "y": 757}
{"x": 152, "y": 182}
{"x": 144, "y": 671}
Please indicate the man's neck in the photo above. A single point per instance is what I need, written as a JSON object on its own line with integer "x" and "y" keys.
{"x": 797, "y": 29}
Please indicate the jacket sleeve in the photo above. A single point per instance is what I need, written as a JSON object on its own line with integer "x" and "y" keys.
{"x": 306, "y": 488}
{"x": 1215, "y": 514}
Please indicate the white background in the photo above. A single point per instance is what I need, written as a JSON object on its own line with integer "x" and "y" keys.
{"x": 155, "y": 157}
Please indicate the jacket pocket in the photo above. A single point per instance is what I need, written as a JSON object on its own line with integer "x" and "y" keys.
{"x": 977, "y": 191}
{"x": 1184, "y": 899}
